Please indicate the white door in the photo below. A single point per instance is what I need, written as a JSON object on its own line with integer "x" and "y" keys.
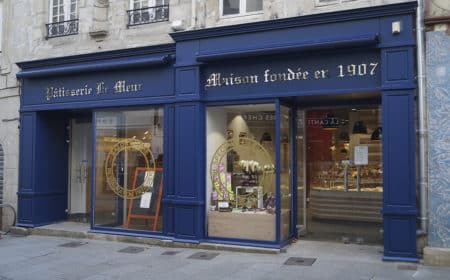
{"x": 80, "y": 167}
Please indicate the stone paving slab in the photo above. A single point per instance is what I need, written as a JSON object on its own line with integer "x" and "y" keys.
{"x": 42, "y": 257}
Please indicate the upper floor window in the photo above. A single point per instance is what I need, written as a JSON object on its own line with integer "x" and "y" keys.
{"x": 240, "y": 7}
{"x": 63, "y": 18}
{"x": 147, "y": 11}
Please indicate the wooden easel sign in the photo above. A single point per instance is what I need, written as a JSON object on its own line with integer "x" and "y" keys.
{"x": 147, "y": 206}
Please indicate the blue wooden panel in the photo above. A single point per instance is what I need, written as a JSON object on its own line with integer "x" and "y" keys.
{"x": 398, "y": 149}
{"x": 43, "y": 171}
{"x": 52, "y": 155}
{"x": 398, "y": 68}
{"x": 25, "y": 210}
{"x": 169, "y": 219}
{"x": 186, "y": 222}
{"x": 49, "y": 208}
{"x": 186, "y": 150}
{"x": 406, "y": 35}
{"x": 27, "y": 129}
{"x": 399, "y": 194}
{"x": 398, "y": 246}
{"x": 186, "y": 53}
{"x": 187, "y": 82}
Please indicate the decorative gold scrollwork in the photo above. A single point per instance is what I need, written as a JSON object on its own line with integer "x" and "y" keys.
{"x": 242, "y": 146}
{"x": 127, "y": 144}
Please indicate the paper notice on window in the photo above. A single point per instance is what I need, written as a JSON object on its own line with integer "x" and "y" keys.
{"x": 146, "y": 199}
{"x": 361, "y": 155}
{"x": 148, "y": 179}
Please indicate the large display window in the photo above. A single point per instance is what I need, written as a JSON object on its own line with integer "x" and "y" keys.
{"x": 241, "y": 177}
{"x": 129, "y": 169}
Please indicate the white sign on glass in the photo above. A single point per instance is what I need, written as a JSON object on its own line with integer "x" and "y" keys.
{"x": 148, "y": 179}
{"x": 361, "y": 155}
{"x": 146, "y": 198}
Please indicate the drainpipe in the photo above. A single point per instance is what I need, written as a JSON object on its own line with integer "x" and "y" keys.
{"x": 422, "y": 133}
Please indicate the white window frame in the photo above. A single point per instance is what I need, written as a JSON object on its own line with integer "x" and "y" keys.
{"x": 69, "y": 13}
{"x": 150, "y": 3}
{"x": 242, "y": 7}
{"x": 151, "y": 13}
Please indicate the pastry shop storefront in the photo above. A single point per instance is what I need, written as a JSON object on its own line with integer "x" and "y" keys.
{"x": 250, "y": 134}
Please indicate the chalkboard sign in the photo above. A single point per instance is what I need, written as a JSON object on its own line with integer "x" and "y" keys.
{"x": 147, "y": 206}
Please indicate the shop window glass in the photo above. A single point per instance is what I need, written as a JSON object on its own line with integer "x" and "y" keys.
{"x": 129, "y": 168}
{"x": 241, "y": 175}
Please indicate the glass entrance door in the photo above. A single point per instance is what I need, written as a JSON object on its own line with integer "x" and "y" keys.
{"x": 340, "y": 174}
{"x": 80, "y": 166}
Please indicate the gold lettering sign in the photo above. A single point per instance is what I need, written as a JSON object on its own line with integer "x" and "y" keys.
{"x": 100, "y": 88}
{"x": 268, "y": 76}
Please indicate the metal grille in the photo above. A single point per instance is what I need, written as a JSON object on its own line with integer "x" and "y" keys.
{"x": 131, "y": 250}
{"x": 62, "y": 28}
{"x": 300, "y": 261}
{"x": 148, "y": 15}
{"x": 203, "y": 256}
{"x": 73, "y": 244}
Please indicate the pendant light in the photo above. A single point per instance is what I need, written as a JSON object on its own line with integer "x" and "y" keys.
{"x": 377, "y": 134}
{"x": 359, "y": 128}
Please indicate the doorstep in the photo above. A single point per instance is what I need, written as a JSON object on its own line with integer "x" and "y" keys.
{"x": 67, "y": 229}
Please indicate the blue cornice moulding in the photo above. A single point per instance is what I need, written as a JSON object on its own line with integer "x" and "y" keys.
{"x": 95, "y": 66}
{"x": 368, "y": 40}
{"x": 300, "y": 21}
{"x": 144, "y": 55}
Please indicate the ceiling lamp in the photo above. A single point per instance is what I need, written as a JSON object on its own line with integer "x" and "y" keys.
{"x": 359, "y": 128}
{"x": 377, "y": 134}
{"x": 343, "y": 136}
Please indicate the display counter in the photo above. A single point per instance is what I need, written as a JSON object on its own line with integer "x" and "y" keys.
{"x": 364, "y": 206}
{"x": 259, "y": 225}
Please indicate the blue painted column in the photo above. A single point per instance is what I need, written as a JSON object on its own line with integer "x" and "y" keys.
{"x": 26, "y": 166}
{"x": 399, "y": 196}
{"x": 184, "y": 199}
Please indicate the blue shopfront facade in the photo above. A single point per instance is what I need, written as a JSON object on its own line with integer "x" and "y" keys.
{"x": 343, "y": 58}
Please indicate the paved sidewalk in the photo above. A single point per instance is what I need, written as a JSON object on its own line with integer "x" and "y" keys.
{"x": 43, "y": 257}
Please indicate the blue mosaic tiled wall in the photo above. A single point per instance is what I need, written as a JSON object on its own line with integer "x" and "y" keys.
{"x": 438, "y": 90}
